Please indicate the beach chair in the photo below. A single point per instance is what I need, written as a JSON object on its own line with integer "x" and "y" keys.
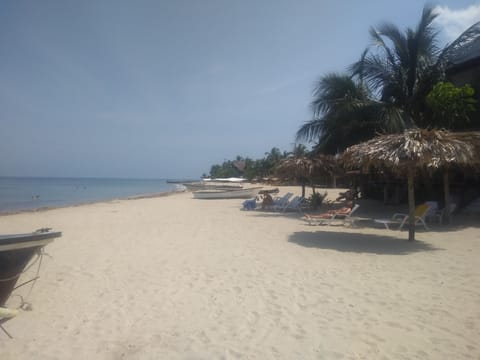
{"x": 432, "y": 211}
{"x": 282, "y": 200}
{"x": 280, "y": 203}
{"x": 402, "y": 219}
{"x": 438, "y": 215}
{"x": 327, "y": 218}
{"x": 282, "y": 206}
{"x": 249, "y": 204}
{"x": 296, "y": 204}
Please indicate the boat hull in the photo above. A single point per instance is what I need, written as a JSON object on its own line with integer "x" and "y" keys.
{"x": 16, "y": 251}
{"x": 211, "y": 186}
{"x": 226, "y": 194}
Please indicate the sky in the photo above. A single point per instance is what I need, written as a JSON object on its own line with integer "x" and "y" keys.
{"x": 167, "y": 88}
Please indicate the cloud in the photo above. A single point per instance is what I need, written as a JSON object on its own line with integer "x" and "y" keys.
{"x": 455, "y": 22}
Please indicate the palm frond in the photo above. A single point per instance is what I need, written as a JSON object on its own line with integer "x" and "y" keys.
{"x": 399, "y": 41}
{"x": 309, "y": 131}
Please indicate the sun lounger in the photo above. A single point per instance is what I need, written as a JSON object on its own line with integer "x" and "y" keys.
{"x": 402, "y": 219}
{"x": 438, "y": 215}
{"x": 296, "y": 204}
{"x": 249, "y": 204}
{"x": 277, "y": 202}
{"x": 344, "y": 214}
{"x": 283, "y": 205}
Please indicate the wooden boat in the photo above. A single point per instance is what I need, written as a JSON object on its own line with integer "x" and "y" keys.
{"x": 269, "y": 191}
{"x": 244, "y": 193}
{"x": 211, "y": 186}
{"x": 16, "y": 251}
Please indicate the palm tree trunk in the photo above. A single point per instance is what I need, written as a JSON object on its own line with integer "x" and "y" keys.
{"x": 411, "y": 204}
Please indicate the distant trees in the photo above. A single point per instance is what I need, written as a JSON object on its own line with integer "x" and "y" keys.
{"x": 259, "y": 168}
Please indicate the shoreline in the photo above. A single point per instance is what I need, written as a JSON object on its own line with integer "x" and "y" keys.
{"x": 86, "y": 203}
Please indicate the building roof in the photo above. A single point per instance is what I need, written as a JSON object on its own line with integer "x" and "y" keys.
{"x": 465, "y": 50}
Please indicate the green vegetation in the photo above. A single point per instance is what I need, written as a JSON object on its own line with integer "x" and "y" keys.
{"x": 387, "y": 90}
{"x": 249, "y": 168}
{"x": 398, "y": 83}
{"x": 316, "y": 199}
{"x": 451, "y": 105}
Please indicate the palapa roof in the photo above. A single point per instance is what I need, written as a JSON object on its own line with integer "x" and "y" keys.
{"x": 415, "y": 148}
{"x": 307, "y": 167}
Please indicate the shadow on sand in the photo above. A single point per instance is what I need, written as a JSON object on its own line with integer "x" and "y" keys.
{"x": 359, "y": 243}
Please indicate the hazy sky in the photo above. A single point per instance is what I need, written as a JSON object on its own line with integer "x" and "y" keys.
{"x": 109, "y": 88}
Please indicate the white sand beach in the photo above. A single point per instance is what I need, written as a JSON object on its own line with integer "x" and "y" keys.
{"x": 178, "y": 278}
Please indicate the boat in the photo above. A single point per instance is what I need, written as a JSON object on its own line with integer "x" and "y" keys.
{"x": 200, "y": 185}
{"x": 226, "y": 180}
{"x": 269, "y": 191}
{"x": 16, "y": 251}
{"x": 243, "y": 193}
{"x": 180, "y": 181}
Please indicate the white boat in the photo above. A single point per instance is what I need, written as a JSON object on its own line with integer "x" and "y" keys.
{"x": 226, "y": 180}
{"x": 227, "y": 194}
{"x": 211, "y": 186}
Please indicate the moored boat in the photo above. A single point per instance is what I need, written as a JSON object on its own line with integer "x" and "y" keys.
{"x": 16, "y": 251}
{"x": 244, "y": 193}
{"x": 211, "y": 186}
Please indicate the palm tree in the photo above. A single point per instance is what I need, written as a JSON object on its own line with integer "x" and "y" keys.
{"x": 345, "y": 113}
{"x": 402, "y": 67}
{"x": 299, "y": 150}
{"x": 386, "y": 89}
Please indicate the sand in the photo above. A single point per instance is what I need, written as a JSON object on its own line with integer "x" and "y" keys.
{"x": 180, "y": 278}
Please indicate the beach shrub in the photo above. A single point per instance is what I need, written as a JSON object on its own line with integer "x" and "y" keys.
{"x": 316, "y": 199}
{"x": 451, "y": 106}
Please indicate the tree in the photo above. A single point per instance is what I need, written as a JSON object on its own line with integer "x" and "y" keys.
{"x": 385, "y": 91}
{"x": 227, "y": 169}
{"x": 247, "y": 167}
{"x": 402, "y": 67}
{"x": 451, "y": 105}
{"x": 345, "y": 113}
{"x": 299, "y": 150}
{"x": 271, "y": 160}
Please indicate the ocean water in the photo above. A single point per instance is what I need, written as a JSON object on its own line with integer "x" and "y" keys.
{"x": 29, "y": 193}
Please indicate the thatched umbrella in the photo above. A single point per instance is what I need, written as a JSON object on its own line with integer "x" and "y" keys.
{"x": 306, "y": 168}
{"x": 404, "y": 153}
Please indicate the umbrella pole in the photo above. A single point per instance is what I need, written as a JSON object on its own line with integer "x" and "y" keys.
{"x": 446, "y": 190}
{"x": 411, "y": 205}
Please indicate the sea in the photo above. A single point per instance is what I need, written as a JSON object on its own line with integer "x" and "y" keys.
{"x": 32, "y": 193}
